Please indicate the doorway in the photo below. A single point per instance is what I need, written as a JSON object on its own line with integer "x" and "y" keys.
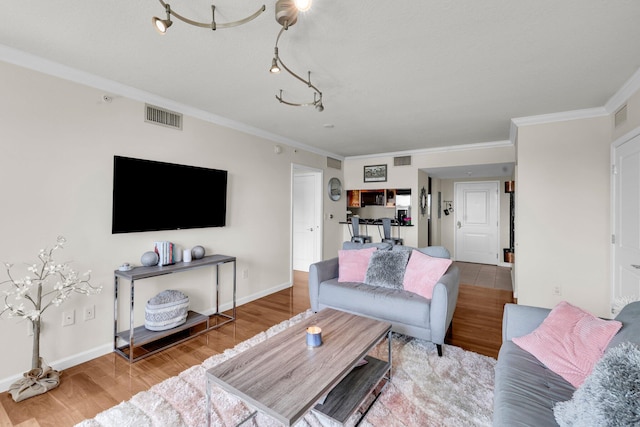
{"x": 306, "y": 217}
{"x": 626, "y": 212}
{"x": 476, "y": 222}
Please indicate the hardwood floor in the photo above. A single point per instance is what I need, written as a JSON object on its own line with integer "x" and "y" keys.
{"x": 94, "y": 386}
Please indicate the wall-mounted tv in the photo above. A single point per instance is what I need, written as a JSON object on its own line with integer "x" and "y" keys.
{"x": 150, "y": 196}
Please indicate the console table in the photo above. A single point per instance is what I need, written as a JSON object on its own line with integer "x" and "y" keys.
{"x": 150, "y": 342}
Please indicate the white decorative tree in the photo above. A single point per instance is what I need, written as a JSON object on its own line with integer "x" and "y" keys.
{"x": 46, "y": 284}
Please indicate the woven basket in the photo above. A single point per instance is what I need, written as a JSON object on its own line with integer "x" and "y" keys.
{"x": 166, "y": 310}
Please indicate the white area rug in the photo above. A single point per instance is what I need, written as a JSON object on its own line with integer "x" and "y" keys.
{"x": 425, "y": 390}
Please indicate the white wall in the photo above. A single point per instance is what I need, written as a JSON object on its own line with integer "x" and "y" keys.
{"x": 563, "y": 213}
{"x": 58, "y": 140}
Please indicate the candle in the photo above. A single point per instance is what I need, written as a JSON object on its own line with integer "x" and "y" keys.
{"x": 314, "y": 336}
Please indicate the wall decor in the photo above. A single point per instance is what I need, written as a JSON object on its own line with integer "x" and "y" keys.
{"x": 335, "y": 189}
{"x": 375, "y": 173}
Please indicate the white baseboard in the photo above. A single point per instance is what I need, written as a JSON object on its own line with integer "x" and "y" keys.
{"x": 65, "y": 363}
{"x": 107, "y": 348}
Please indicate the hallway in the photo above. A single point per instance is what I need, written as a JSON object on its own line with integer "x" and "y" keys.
{"x": 486, "y": 276}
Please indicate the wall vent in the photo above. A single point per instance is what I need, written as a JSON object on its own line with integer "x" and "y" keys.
{"x": 621, "y": 116}
{"x": 334, "y": 163}
{"x": 162, "y": 117}
{"x": 402, "y": 161}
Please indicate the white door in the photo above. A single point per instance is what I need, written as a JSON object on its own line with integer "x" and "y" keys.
{"x": 626, "y": 253}
{"x": 307, "y": 215}
{"x": 476, "y": 222}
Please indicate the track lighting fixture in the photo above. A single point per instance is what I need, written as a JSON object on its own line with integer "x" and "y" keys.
{"x": 287, "y": 15}
{"x": 162, "y": 24}
{"x": 286, "y": 12}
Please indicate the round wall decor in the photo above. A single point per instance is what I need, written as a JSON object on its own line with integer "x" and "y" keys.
{"x": 335, "y": 189}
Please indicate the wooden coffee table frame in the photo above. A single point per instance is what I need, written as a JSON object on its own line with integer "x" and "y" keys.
{"x": 285, "y": 379}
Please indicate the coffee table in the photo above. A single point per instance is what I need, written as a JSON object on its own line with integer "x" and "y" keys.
{"x": 284, "y": 378}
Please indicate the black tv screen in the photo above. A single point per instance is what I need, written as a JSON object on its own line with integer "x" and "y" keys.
{"x": 150, "y": 196}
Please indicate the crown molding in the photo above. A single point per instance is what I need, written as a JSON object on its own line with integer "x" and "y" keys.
{"x": 462, "y": 147}
{"x": 45, "y": 66}
{"x": 627, "y": 90}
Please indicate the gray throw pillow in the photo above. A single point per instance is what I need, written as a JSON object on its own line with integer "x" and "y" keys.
{"x": 386, "y": 268}
{"x": 610, "y": 396}
{"x": 351, "y": 246}
{"x": 432, "y": 251}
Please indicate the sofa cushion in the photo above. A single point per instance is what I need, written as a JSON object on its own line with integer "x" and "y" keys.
{"x": 610, "y": 396}
{"x": 526, "y": 390}
{"x": 433, "y": 251}
{"x": 392, "y": 305}
{"x": 381, "y": 246}
{"x": 386, "y": 268}
{"x": 423, "y": 272}
{"x": 630, "y": 330}
{"x": 352, "y": 264}
{"x": 570, "y": 341}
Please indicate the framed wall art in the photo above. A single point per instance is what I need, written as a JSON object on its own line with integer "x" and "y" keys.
{"x": 375, "y": 173}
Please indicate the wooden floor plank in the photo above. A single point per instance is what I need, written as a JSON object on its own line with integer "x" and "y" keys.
{"x": 94, "y": 386}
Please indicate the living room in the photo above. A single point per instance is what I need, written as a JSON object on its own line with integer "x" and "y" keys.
{"x": 60, "y": 135}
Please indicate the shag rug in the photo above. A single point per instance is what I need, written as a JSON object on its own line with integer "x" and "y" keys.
{"x": 425, "y": 390}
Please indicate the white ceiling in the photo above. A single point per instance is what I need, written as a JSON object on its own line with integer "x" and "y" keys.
{"x": 396, "y": 76}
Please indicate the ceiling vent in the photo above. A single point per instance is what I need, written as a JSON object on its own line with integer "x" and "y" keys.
{"x": 621, "y": 116}
{"x": 402, "y": 161}
{"x": 334, "y": 163}
{"x": 163, "y": 117}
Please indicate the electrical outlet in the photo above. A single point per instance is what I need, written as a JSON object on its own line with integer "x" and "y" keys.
{"x": 68, "y": 318}
{"x": 89, "y": 312}
{"x": 245, "y": 273}
{"x": 557, "y": 291}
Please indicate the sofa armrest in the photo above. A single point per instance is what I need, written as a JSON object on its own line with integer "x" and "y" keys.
{"x": 443, "y": 304}
{"x": 519, "y": 320}
{"x": 318, "y": 273}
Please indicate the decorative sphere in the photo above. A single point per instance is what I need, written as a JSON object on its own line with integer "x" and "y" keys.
{"x": 197, "y": 252}
{"x": 149, "y": 258}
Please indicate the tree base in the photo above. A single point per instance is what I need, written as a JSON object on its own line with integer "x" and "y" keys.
{"x": 35, "y": 382}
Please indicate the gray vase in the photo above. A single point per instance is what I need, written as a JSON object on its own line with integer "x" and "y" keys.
{"x": 197, "y": 252}
{"x": 149, "y": 258}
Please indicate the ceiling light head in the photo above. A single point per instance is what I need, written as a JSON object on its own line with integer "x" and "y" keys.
{"x": 161, "y": 25}
{"x": 274, "y": 67}
{"x": 286, "y": 13}
{"x": 319, "y": 107}
{"x": 303, "y": 5}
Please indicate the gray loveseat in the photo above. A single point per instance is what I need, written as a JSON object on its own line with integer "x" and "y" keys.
{"x": 409, "y": 313}
{"x": 526, "y": 391}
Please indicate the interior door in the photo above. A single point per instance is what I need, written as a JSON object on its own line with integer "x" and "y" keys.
{"x": 476, "y": 222}
{"x": 307, "y": 215}
{"x": 626, "y": 253}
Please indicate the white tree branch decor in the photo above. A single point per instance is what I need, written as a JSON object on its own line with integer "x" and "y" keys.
{"x": 46, "y": 284}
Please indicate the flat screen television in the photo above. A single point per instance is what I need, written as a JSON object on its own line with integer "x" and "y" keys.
{"x": 150, "y": 196}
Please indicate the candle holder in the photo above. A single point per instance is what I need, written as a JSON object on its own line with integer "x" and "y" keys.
{"x": 314, "y": 336}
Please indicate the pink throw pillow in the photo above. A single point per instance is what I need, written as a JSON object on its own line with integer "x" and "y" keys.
{"x": 352, "y": 264}
{"x": 570, "y": 341}
{"x": 423, "y": 272}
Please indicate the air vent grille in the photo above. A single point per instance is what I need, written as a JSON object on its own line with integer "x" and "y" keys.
{"x": 402, "y": 161}
{"x": 162, "y": 117}
{"x": 334, "y": 163}
{"x": 621, "y": 116}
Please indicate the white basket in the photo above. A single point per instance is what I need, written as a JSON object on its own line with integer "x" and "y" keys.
{"x": 166, "y": 310}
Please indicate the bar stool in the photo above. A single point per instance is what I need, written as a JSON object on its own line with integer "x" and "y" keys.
{"x": 356, "y": 237}
{"x": 386, "y": 228}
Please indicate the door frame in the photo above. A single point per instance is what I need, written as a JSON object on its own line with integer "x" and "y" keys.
{"x": 296, "y": 169}
{"x": 497, "y": 213}
{"x": 613, "y": 210}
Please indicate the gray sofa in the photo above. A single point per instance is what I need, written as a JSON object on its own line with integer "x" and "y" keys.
{"x": 409, "y": 313}
{"x": 526, "y": 390}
